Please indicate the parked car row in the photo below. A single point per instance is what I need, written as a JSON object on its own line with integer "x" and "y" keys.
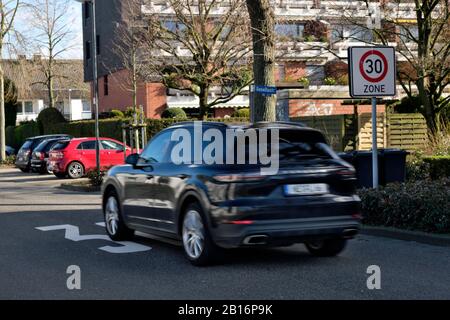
{"x": 65, "y": 156}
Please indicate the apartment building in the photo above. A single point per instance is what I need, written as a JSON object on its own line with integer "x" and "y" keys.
{"x": 312, "y": 41}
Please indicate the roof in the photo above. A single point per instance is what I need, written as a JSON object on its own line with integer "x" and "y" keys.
{"x": 257, "y": 125}
{"x": 50, "y": 136}
{"x": 29, "y": 78}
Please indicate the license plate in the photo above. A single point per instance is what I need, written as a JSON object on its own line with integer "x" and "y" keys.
{"x": 306, "y": 189}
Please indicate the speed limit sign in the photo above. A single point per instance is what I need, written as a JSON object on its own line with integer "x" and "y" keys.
{"x": 372, "y": 71}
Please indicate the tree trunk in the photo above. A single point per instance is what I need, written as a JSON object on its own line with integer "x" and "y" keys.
{"x": 2, "y": 116}
{"x": 263, "y": 21}
{"x": 204, "y": 92}
{"x": 51, "y": 97}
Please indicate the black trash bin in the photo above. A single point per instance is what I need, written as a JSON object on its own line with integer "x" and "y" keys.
{"x": 363, "y": 167}
{"x": 392, "y": 165}
{"x": 348, "y": 156}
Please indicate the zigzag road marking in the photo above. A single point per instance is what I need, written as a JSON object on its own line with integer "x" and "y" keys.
{"x": 73, "y": 233}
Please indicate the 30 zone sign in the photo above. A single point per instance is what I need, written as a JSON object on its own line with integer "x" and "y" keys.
{"x": 372, "y": 71}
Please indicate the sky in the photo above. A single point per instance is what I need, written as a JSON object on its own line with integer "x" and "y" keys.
{"x": 72, "y": 18}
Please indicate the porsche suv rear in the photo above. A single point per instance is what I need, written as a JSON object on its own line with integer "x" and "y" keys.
{"x": 310, "y": 198}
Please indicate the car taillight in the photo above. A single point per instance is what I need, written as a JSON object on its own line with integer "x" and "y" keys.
{"x": 346, "y": 173}
{"x": 239, "y": 177}
{"x": 57, "y": 155}
{"x": 39, "y": 155}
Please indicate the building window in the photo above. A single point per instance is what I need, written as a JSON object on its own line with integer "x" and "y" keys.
{"x": 28, "y": 107}
{"x": 20, "y": 107}
{"x": 88, "y": 50}
{"x": 97, "y": 44}
{"x": 105, "y": 85}
{"x": 86, "y": 106}
{"x": 290, "y": 31}
{"x": 409, "y": 33}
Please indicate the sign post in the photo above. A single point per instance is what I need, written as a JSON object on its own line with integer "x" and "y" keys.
{"x": 259, "y": 89}
{"x": 372, "y": 72}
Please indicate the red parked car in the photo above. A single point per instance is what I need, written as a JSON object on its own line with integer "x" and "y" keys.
{"x": 76, "y": 157}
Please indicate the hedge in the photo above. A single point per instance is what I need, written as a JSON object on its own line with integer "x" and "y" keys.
{"x": 439, "y": 166}
{"x": 15, "y": 136}
{"x": 112, "y": 128}
{"x": 419, "y": 205}
{"x": 109, "y": 128}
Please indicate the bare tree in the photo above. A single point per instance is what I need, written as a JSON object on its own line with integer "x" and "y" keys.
{"x": 423, "y": 43}
{"x": 197, "y": 49}
{"x": 8, "y": 12}
{"x": 52, "y": 36}
{"x": 262, "y": 19}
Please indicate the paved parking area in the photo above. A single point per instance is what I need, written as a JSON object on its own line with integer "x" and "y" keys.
{"x": 44, "y": 230}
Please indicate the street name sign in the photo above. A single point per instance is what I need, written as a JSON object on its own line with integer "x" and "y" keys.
{"x": 266, "y": 90}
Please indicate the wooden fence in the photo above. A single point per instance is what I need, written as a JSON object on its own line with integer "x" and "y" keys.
{"x": 354, "y": 132}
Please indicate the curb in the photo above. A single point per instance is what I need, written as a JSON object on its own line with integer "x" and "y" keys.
{"x": 407, "y": 235}
{"x": 79, "y": 188}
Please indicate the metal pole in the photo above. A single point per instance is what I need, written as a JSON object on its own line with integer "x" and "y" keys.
{"x": 252, "y": 102}
{"x": 374, "y": 144}
{"x": 94, "y": 49}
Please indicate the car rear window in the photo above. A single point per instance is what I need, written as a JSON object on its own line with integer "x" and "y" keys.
{"x": 292, "y": 144}
{"x": 61, "y": 145}
{"x": 27, "y": 144}
{"x": 41, "y": 146}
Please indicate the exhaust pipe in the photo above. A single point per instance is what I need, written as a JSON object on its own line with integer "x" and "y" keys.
{"x": 349, "y": 233}
{"x": 256, "y": 239}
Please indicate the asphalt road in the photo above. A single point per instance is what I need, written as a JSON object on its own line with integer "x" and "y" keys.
{"x": 33, "y": 262}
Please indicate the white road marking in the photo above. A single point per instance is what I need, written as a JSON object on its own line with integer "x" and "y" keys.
{"x": 73, "y": 234}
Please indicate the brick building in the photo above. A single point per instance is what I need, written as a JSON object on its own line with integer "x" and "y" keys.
{"x": 312, "y": 42}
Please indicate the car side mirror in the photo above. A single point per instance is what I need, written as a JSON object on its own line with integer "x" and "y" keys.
{"x": 132, "y": 159}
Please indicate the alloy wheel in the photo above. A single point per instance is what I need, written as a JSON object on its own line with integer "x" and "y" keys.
{"x": 193, "y": 234}
{"x": 76, "y": 170}
{"x": 112, "y": 215}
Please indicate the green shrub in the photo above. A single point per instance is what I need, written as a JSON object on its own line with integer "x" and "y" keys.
{"x": 420, "y": 205}
{"x": 129, "y": 112}
{"x": 9, "y": 136}
{"x": 439, "y": 166}
{"x": 117, "y": 114}
{"x": 416, "y": 168}
{"x": 24, "y": 131}
{"x": 96, "y": 177}
{"x": 112, "y": 128}
{"x": 49, "y": 117}
{"x": 241, "y": 113}
{"x": 10, "y": 103}
{"x": 9, "y": 161}
{"x": 173, "y": 113}
{"x": 329, "y": 81}
{"x": 304, "y": 81}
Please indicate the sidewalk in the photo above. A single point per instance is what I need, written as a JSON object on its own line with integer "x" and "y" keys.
{"x": 417, "y": 236}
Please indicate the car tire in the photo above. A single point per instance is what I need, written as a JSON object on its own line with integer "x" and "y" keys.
{"x": 198, "y": 246}
{"x": 59, "y": 175}
{"x": 75, "y": 170}
{"x": 114, "y": 224}
{"x": 327, "y": 247}
{"x": 24, "y": 170}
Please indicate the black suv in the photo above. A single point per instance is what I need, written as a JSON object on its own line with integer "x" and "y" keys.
{"x": 311, "y": 198}
{"x": 23, "y": 161}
